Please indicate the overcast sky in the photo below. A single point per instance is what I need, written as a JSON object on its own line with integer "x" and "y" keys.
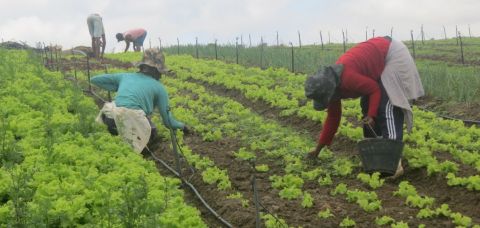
{"x": 64, "y": 21}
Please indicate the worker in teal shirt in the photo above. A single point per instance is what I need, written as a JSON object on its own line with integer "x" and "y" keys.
{"x": 137, "y": 96}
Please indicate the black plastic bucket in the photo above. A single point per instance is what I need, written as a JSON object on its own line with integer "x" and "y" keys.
{"x": 380, "y": 155}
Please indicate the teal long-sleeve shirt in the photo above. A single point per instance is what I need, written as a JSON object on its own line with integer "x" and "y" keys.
{"x": 138, "y": 91}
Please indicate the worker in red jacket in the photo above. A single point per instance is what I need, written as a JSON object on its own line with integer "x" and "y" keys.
{"x": 382, "y": 72}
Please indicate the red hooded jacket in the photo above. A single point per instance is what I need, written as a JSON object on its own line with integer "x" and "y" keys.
{"x": 363, "y": 66}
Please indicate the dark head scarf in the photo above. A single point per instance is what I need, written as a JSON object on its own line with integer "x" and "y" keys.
{"x": 321, "y": 86}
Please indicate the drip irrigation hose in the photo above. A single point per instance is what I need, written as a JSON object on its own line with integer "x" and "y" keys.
{"x": 476, "y": 122}
{"x": 257, "y": 201}
{"x": 184, "y": 158}
{"x": 96, "y": 95}
{"x": 255, "y": 198}
{"x": 173, "y": 137}
{"x": 227, "y": 224}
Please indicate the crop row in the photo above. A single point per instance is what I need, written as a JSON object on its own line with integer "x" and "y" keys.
{"x": 61, "y": 169}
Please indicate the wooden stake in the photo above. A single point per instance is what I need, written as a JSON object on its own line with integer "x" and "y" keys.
{"x": 456, "y": 33}
{"x": 216, "y": 53}
{"x": 321, "y": 38}
{"x": 178, "y": 46}
{"x": 293, "y": 58}
{"x": 366, "y": 33}
{"x": 278, "y": 44}
{"x": 196, "y": 47}
{"x": 444, "y": 32}
{"x": 261, "y": 52}
{"x": 461, "y": 47}
{"x": 299, "y": 40}
{"x": 413, "y": 43}
{"x": 236, "y": 49}
{"x": 423, "y": 35}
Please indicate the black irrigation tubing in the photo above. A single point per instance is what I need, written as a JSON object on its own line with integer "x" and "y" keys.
{"x": 470, "y": 122}
{"x": 96, "y": 95}
{"x": 257, "y": 201}
{"x": 192, "y": 188}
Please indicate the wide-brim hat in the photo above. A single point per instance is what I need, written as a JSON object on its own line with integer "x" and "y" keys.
{"x": 154, "y": 57}
{"x": 321, "y": 86}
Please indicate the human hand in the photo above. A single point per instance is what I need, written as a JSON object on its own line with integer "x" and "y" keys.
{"x": 368, "y": 121}
{"x": 312, "y": 155}
{"x": 186, "y": 130}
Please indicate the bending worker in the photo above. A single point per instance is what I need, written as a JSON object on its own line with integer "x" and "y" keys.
{"x": 135, "y": 36}
{"x": 382, "y": 72}
{"x": 137, "y": 96}
{"x": 97, "y": 32}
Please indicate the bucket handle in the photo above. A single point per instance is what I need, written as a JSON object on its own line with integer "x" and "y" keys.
{"x": 373, "y": 131}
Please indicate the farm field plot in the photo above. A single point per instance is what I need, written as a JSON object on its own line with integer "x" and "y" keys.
{"x": 249, "y": 125}
{"x": 441, "y": 155}
{"x": 194, "y": 114}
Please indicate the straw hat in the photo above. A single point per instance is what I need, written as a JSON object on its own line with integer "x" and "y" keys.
{"x": 154, "y": 57}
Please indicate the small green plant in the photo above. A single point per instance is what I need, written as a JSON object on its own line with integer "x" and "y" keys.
{"x": 239, "y": 196}
{"x": 325, "y": 181}
{"x": 461, "y": 220}
{"x": 325, "y": 154}
{"x": 325, "y": 214}
{"x": 290, "y": 193}
{"x": 272, "y": 222}
{"x": 405, "y": 189}
{"x": 245, "y": 155}
{"x": 340, "y": 189}
{"x": 400, "y": 225}
{"x": 307, "y": 201}
{"x": 384, "y": 220}
{"x": 312, "y": 174}
{"x": 373, "y": 180}
{"x": 343, "y": 167}
{"x": 419, "y": 201}
{"x": 262, "y": 168}
{"x": 368, "y": 201}
{"x": 348, "y": 222}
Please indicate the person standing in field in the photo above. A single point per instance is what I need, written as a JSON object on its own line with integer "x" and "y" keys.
{"x": 138, "y": 94}
{"x": 97, "y": 32}
{"x": 382, "y": 72}
{"x": 135, "y": 36}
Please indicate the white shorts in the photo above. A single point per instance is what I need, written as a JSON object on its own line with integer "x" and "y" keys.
{"x": 95, "y": 25}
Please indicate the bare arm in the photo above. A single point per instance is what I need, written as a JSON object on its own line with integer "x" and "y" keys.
{"x": 104, "y": 43}
{"x": 128, "y": 45}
